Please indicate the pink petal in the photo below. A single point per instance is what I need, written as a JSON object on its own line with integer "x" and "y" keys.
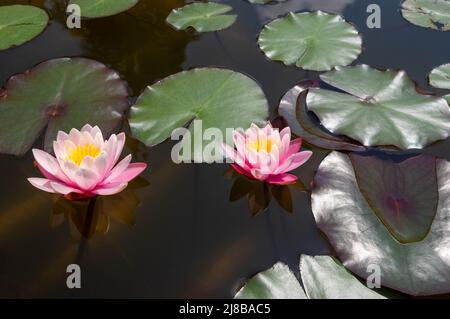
{"x": 282, "y": 179}
{"x": 118, "y": 170}
{"x": 295, "y": 146}
{"x": 110, "y": 189}
{"x": 258, "y": 174}
{"x": 294, "y": 161}
{"x": 86, "y": 179}
{"x": 65, "y": 189}
{"x": 241, "y": 171}
{"x": 130, "y": 173}
{"x": 49, "y": 166}
{"x": 42, "y": 184}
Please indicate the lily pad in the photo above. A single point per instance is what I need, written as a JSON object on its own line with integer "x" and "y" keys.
{"x": 361, "y": 239}
{"x": 433, "y": 14}
{"x": 20, "y": 24}
{"x": 203, "y": 17}
{"x": 311, "y": 40}
{"x": 440, "y": 77}
{"x": 322, "y": 276}
{"x": 381, "y": 108}
{"x": 103, "y": 8}
{"x": 293, "y": 109}
{"x": 59, "y": 94}
{"x": 219, "y": 98}
{"x": 265, "y": 1}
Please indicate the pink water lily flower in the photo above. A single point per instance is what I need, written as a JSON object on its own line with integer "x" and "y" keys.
{"x": 85, "y": 164}
{"x": 266, "y": 154}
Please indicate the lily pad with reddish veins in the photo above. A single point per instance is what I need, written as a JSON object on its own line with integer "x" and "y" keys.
{"x": 59, "y": 94}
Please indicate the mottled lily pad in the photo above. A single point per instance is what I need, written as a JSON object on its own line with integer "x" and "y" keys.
{"x": 293, "y": 109}
{"x": 203, "y": 17}
{"x": 322, "y": 276}
{"x": 311, "y": 40}
{"x": 103, "y": 8}
{"x": 381, "y": 108}
{"x": 440, "y": 77}
{"x": 20, "y": 24}
{"x": 219, "y": 98}
{"x": 434, "y": 14}
{"x": 59, "y": 94}
{"x": 361, "y": 238}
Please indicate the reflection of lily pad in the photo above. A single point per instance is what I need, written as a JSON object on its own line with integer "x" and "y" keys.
{"x": 344, "y": 214}
{"x": 311, "y": 40}
{"x": 293, "y": 109}
{"x": 322, "y": 278}
{"x": 203, "y": 17}
{"x": 433, "y": 14}
{"x": 220, "y": 98}
{"x": 59, "y": 94}
{"x": 382, "y": 108}
{"x": 103, "y": 8}
{"x": 440, "y": 77}
{"x": 19, "y": 24}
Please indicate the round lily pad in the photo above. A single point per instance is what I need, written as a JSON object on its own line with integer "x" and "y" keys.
{"x": 434, "y": 14}
{"x": 381, "y": 108}
{"x": 311, "y": 40}
{"x": 20, "y": 24}
{"x": 323, "y": 278}
{"x": 293, "y": 109}
{"x": 59, "y": 94}
{"x": 349, "y": 215}
{"x": 440, "y": 77}
{"x": 220, "y": 98}
{"x": 203, "y": 17}
{"x": 103, "y": 8}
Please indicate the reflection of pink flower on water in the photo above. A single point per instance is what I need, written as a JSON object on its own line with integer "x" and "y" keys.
{"x": 85, "y": 164}
{"x": 266, "y": 154}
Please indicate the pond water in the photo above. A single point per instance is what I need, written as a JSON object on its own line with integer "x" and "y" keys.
{"x": 185, "y": 239}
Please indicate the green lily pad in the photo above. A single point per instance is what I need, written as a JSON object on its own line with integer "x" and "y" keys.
{"x": 440, "y": 77}
{"x": 322, "y": 276}
{"x": 311, "y": 40}
{"x": 219, "y": 98}
{"x": 361, "y": 239}
{"x": 103, "y": 8}
{"x": 59, "y": 94}
{"x": 203, "y": 17}
{"x": 382, "y": 108}
{"x": 293, "y": 109}
{"x": 20, "y": 24}
{"x": 433, "y": 14}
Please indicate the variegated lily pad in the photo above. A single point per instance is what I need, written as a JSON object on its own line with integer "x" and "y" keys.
{"x": 349, "y": 215}
{"x": 434, "y": 14}
{"x": 440, "y": 77}
{"x": 103, "y": 8}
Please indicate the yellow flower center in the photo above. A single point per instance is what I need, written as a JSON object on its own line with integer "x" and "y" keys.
{"x": 261, "y": 145}
{"x": 78, "y": 153}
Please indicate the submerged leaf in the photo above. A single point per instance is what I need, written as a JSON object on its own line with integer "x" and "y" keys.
{"x": 59, "y": 94}
{"x": 103, "y": 8}
{"x": 360, "y": 239}
{"x": 433, "y": 14}
{"x": 203, "y": 17}
{"x": 381, "y": 108}
{"x": 440, "y": 77}
{"x": 19, "y": 24}
{"x": 220, "y": 98}
{"x": 311, "y": 40}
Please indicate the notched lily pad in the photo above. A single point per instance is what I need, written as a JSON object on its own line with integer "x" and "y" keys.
{"x": 440, "y": 77}
{"x": 323, "y": 278}
{"x": 103, "y": 8}
{"x": 381, "y": 108}
{"x": 203, "y": 17}
{"x": 59, "y": 94}
{"x": 293, "y": 109}
{"x": 20, "y": 24}
{"x": 220, "y": 98}
{"x": 311, "y": 40}
{"x": 345, "y": 201}
{"x": 434, "y": 14}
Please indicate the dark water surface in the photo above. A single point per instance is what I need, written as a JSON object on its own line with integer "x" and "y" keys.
{"x": 188, "y": 240}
